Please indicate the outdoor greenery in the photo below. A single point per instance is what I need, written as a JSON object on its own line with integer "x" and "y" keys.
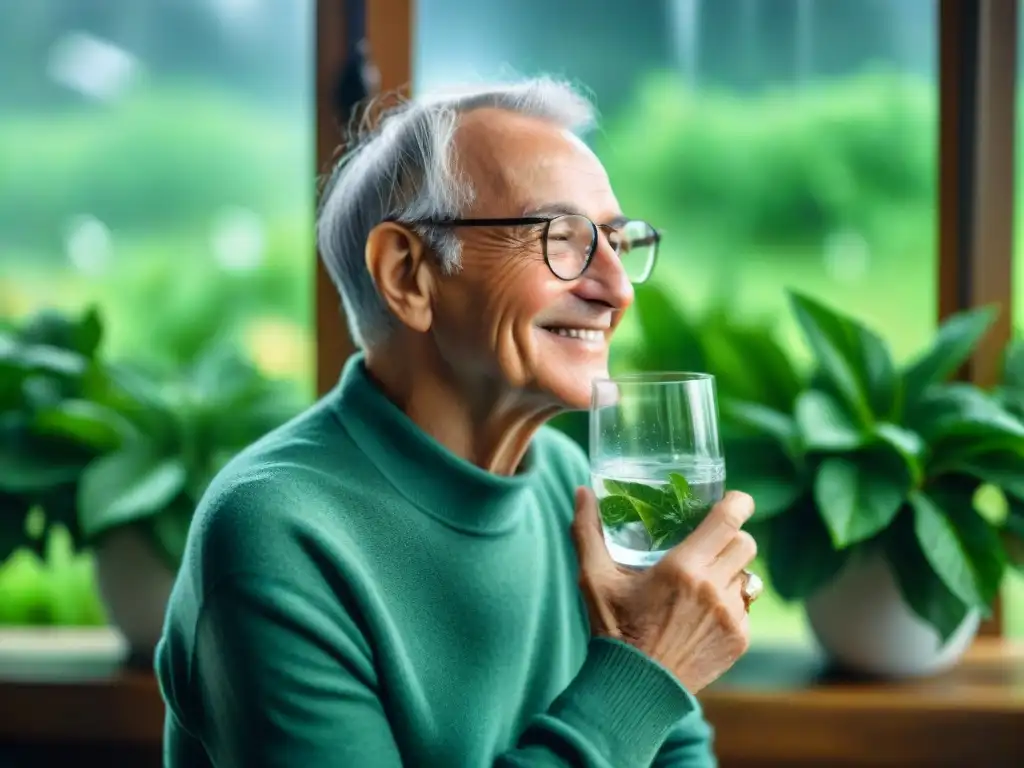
{"x": 828, "y": 189}
{"x": 203, "y": 227}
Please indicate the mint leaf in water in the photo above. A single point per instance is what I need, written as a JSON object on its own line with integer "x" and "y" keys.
{"x": 668, "y": 514}
{"x": 689, "y": 505}
{"x": 619, "y": 509}
{"x": 680, "y": 487}
{"x": 644, "y": 493}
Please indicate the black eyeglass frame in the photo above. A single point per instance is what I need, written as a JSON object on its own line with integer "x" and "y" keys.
{"x": 546, "y": 221}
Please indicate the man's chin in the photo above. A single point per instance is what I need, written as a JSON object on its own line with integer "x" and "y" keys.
{"x": 571, "y": 387}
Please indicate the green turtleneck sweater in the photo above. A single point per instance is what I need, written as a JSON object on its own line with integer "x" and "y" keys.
{"x": 354, "y": 595}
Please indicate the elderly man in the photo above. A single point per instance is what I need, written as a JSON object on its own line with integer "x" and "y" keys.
{"x": 413, "y": 572}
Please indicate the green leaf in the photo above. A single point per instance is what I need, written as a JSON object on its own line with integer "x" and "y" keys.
{"x": 944, "y": 550}
{"x": 958, "y": 499}
{"x": 733, "y": 348}
{"x": 761, "y": 468}
{"x": 660, "y": 526}
{"x": 126, "y": 486}
{"x": 670, "y": 340}
{"x": 736, "y": 350}
{"x": 760, "y": 420}
{"x": 967, "y": 417}
{"x": 618, "y": 510}
{"x": 31, "y": 465}
{"x": 907, "y": 444}
{"x": 141, "y": 399}
{"x": 798, "y": 551}
{"x": 954, "y": 342}
{"x": 88, "y": 333}
{"x": 854, "y": 359}
{"x": 645, "y": 493}
{"x": 682, "y": 505}
{"x": 41, "y": 359}
{"x": 667, "y": 515}
{"x": 59, "y": 329}
{"x": 84, "y": 422}
{"x": 859, "y": 496}
{"x": 1003, "y": 469}
{"x": 824, "y": 425}
{"x": 923, "y": 590}
{"x": 683, "y": 495}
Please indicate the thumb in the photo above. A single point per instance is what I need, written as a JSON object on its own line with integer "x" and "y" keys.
{"x": 587, "y": 534}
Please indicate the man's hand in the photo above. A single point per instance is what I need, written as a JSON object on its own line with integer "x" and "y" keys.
{"x": 687, "y": 612}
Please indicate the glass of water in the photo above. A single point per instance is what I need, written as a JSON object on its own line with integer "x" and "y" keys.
{"x": 656, "y": 460}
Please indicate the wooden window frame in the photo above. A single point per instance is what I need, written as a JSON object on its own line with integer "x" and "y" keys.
{"x": 977, "y": 105}
{"x": 388, "y": 33}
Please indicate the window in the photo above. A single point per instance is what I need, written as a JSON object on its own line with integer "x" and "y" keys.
{"x": 1013, "y": 590}
{"x": 157, "y": 162}
{"x": 781, "y": 144}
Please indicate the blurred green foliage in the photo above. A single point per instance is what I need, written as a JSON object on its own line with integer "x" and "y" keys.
{"x": 88, "y": 445}
{"x": 45, "y": 362}
{"x": 163, "y": 306}
{"x": 159, "y": 164}
{"x": 784, "y": 168}
{"x": 55, "y": 587}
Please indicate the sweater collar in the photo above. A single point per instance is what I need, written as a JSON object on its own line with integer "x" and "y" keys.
{"x": 425, "y": 472}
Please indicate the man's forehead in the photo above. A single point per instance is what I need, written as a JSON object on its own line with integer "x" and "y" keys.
{"x": 517, "y": 161}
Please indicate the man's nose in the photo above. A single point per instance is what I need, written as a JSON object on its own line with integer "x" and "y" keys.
{"x": 609, "y": 276}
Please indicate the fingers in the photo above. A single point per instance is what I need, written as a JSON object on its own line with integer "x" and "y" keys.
{"x": 587, "y": 533}
{"x": 737, "y": 555}
{"x": 718, "y": 529}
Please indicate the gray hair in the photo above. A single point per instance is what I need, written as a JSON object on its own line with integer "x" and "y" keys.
{"x": 405, "y": 169}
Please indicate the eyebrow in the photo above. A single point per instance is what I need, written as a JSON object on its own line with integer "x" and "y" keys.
{"x": 568, "y": 209}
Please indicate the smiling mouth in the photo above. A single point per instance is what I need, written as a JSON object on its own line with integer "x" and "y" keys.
{"x": 583, "y": 334}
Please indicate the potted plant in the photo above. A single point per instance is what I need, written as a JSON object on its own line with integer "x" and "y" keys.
{"x": 135, "y": 502}
{"x": 867, "y": 492}
{"x": 46, "y": 362}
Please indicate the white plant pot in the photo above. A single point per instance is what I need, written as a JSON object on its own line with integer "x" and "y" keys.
{"x": 863, "y": 624}
{"x": 134, "y": 585}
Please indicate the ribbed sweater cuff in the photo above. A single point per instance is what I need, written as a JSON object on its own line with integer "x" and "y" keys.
{"x": 624, "y": 701}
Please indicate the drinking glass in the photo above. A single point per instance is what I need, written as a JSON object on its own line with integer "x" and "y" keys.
{"x": 656, "y": 460}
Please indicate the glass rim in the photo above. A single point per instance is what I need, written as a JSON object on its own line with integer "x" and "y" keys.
{"x": 655, "y": 378}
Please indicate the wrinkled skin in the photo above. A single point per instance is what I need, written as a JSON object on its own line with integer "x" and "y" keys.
{"x": 475, "y": 341}
{"x": 687, "y": 612}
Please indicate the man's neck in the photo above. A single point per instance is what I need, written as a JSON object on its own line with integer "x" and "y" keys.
{"x": 483, "y": 423}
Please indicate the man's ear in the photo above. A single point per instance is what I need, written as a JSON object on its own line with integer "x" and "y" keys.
{"x": 399, "y": 266}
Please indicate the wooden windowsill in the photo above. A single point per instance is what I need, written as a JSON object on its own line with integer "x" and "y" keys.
{"x": 777, "y": 707}
{"x": 783, "y": 707}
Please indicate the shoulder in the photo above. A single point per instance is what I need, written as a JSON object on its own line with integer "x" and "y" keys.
{"x": 282, "y": 502}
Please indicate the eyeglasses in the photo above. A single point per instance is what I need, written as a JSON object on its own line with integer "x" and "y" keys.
{"x": 570, "y": 241}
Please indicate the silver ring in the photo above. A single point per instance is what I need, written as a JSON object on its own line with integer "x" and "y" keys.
{"x": 753, "y": 586}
